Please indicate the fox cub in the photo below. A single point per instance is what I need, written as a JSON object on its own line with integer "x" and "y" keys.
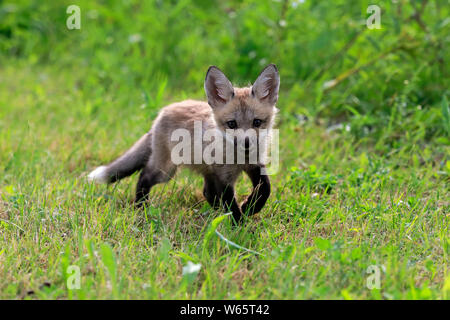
{"x": 229, "y": 111}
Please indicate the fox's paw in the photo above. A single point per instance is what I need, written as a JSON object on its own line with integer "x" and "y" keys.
{"x": 99, "y": 175}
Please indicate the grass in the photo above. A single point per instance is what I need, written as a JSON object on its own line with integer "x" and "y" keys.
{"x": 364, "y": 164}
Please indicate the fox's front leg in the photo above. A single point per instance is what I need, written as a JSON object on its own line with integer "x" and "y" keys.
{"x": 261, "y": 191}
{"x": 230, "y": 203}
{"x": 216, "y": 191}
{"x": 210, "y": 192}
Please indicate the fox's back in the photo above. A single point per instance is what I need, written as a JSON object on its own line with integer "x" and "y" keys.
{"x": 183, "y": 115}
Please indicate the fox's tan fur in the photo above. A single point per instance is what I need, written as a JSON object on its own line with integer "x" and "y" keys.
{"x": 152, "y": 153}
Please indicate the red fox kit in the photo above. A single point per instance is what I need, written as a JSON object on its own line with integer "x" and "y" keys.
{"x": 229, "y": 111}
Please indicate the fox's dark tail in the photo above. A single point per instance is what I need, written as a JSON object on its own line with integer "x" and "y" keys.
{"x": 131, "y": 161}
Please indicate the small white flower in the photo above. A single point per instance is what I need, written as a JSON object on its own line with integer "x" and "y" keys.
{"x": 135, "y": 38}
{"x": 146, "y": 286}
{"x": 191, "y": 268}
{"x": 329, "y": 84}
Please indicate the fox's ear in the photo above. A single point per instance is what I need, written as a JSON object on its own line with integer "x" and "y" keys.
{"x": 267, "y": 85}
{"x": 219, "y": 89}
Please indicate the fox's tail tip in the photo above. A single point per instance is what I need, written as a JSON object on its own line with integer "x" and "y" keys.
{"x": 99, "y": 175}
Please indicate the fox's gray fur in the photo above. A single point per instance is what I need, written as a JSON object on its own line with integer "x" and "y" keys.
{"x": 152, "y": 152}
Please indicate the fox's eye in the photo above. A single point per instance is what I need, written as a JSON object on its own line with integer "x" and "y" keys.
{"x": 232, "y": 124}
{"x": 257, "y": 123}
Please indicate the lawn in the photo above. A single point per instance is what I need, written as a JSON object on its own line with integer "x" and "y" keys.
{"x": 359, "y": 208}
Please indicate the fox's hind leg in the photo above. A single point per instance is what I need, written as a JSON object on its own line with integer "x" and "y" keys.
{"x": 157, "y": 170}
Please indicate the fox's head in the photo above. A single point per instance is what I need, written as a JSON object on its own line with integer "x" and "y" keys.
{"x": 243, "y": 110}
